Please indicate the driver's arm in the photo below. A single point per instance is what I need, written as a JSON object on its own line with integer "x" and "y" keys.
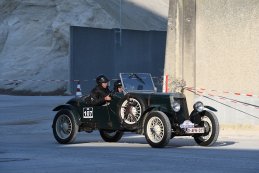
{"x": 99, "y": 97}
{"x": 107, "y": 98}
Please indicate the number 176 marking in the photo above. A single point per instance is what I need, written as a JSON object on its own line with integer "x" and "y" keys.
{"x": 88, "y": 112}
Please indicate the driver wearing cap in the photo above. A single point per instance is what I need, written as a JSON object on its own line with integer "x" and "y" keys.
{"x": 101, "y": 93}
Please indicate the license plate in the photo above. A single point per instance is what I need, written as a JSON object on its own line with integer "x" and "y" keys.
{"x": 195, "y": 130}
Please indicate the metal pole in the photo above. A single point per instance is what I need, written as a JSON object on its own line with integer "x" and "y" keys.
{"x": 120, "y": 20}
{"x": 120, "y": 15}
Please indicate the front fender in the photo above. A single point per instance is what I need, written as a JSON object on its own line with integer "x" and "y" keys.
{"x": 146, "y": 113}
{"x": 156, "y": 108}
{"x": 72, "y": 109}
{"x": 195, "y": 116}
{"x": 65, "y": 106}
{"x": 149, "y": 109}
{"x": 211, "y": 108}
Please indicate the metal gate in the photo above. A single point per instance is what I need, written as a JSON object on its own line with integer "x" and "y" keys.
{"x": 95, "y": 51}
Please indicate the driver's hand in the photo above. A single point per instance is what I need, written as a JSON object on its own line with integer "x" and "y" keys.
{"x": 107, "y": 98}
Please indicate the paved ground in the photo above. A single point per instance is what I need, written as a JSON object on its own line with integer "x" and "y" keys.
{"x": 27, "y": 145}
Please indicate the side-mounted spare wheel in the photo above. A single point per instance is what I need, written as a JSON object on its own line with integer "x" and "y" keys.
{"x": 64, "y": 127}
{"x": 211, "y": 129}
{"x": 157, "y": 129}
{"x": 111, "y": 136}
{"x": 130, "y": 111}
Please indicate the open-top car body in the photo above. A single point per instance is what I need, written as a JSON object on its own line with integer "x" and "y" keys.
{"x": 139, "y": 109}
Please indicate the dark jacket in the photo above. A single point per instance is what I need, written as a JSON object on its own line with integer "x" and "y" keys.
{"x": 98, "y": 94}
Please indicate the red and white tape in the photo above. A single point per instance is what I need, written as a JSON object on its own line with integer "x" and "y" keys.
{"x": 226, "y": 92}
{"x": 35, "y": 80}
{"x": 166, "y": 89}
{"x": 166, "y": 81}
{"x": 46, "y": 80}
{"x": 56, "y": 80}
{"x": 201, "y": 93}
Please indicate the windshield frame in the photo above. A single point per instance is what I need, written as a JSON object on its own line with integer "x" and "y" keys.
{"x": 137, "y": 75}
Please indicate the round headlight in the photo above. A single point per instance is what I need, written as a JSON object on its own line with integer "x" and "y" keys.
{"x": 176, "y": 107}
{"x": 198, "y": 106}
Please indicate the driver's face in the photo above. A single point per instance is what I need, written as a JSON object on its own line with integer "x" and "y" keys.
{"x": 104, "y": 85}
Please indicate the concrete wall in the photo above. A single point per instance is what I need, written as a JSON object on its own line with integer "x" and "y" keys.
{"x": 214, "y": 45}
{"x": 228, "y": 45}
{"x": 227, "y": 55}
{"x": 97, "y": 51}
{"x": 180, "y": 61}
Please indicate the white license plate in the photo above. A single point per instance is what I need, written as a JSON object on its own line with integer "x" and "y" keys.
{"x": 195, "y": 130}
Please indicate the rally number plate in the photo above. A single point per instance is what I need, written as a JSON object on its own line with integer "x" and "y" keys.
{"x": 195, "y": 130}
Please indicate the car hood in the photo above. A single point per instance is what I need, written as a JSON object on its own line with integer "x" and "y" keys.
{"x": 159, "y": 95}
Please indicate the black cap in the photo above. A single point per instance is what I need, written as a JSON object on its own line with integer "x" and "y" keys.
{"x": 117, "y": 83}
{"x": 101, "y": 79}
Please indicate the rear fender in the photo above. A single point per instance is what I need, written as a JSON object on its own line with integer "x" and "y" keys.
{"x": 65, "y": 106}
{"x": 72, "y": 109}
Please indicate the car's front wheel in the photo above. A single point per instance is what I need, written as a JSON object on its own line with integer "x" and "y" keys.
{"x": 64, "y": 127}
{"x": 157, "y": 129}
{"x": 211, "y": 127}
{"x": 111, "y": 136}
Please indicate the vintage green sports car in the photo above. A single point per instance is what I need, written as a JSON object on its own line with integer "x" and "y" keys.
{"x": 140, "y": 109}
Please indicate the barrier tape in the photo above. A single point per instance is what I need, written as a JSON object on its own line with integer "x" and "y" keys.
{"x": 164, "y": 82}
{"x": 224, "y": 104}
{"x": 226, "y": 92}
{"x": 32, "y": 80}
{"x": 200, "y": 93}
{"x": 167, "y": 81}
{"x": 47, "y": 80}
{"x": 55, "y": 80}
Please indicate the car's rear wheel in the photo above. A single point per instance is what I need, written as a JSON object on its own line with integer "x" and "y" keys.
{"x": 157, "y": 128}
{"x": 64, "y": 127}
{"x": 211, "y": 126}
{"x": 111, "y": 136}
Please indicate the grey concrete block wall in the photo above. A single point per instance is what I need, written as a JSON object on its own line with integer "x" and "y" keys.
{"x": 97, "y": 51}
{"x": 222, "y": 54}
{"x": 227, "y": 55}
{"x": 180, "y": 60}
{"x": 228, "y": 45}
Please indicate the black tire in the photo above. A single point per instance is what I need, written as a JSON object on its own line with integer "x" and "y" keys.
{"x": 163, "y": 127}
{"x": 211, "y": 124}
{"x": 111, "y": 136}
{"x": 130, "y": 111}
{"x": 64, "y": 127}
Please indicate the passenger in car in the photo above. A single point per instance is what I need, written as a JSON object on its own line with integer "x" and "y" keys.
{"x": 118, "y": 86}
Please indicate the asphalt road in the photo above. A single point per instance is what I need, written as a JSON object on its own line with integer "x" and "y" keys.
{"x": 27, "y": 145}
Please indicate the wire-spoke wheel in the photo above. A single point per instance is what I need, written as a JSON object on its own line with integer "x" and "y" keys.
{"x": 131, "y": 110}
{"x": 211, "y": 130}
{"x": 157, "y": 129}
{"x": 64, "y": 127}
